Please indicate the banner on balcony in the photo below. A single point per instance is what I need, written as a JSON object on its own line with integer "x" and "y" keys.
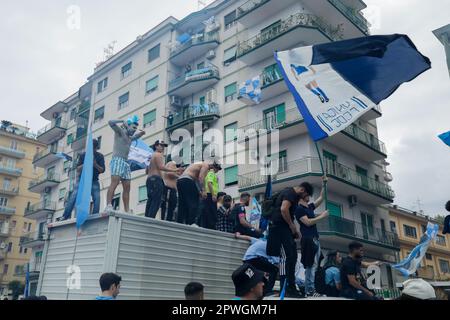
{"x": 140, "y": 155}
{"x": 335, "y": 83}
{"x": 445, "y": 137}
{"x": 250, "y": 91}
{"x": 410, "y": 265}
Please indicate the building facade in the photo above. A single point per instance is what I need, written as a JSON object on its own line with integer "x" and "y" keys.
{"x": 443, "y": 34}
{"x": 64, "y": 138}
{"x": 410, "y": 227}
{"x": 17, "y": 147}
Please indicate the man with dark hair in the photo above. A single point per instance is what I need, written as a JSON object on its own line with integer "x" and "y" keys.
{"x": 170, "y": 197}
{"x": 248, "y": 283}
{"x": 310, "y": 245}
{"x": 194, "y": 291}
{"x": 352, "y": 280}
{"x": 99, "y": 168}
{"x": 210, "y": 198}
{"x": 110, "y": 286}
{"x": 225, "y": 222}
{"x": 239, "y": 215}
{"x": 283, "y": 232}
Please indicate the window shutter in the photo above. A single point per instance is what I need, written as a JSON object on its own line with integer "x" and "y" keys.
{"x": 231, "y": 175}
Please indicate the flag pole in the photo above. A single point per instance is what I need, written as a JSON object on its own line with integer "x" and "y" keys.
{"x": 325, "y": 189}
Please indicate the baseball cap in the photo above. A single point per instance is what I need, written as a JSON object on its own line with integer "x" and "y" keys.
{"x": 245, "y": 278}
{"x": 419, "y": 289}
{"x": 217, "y": 166}
{"x": 162, "y": 143}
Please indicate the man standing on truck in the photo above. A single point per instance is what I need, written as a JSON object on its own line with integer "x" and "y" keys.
{"x": 190, "y": 187}
{"x": 120, "y": 168}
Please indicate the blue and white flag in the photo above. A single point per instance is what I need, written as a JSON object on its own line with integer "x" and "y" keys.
{"x": 445, "y": 137}
{"x": 336, "y": 83}
{"x": 250, "y": 90}
{"x": 255, "y": 213}
{"x": 410, "y": 265}
{"x": 140, "y": 155}
{"x": 83, "y": 201}
{"x": 63, "y": 156}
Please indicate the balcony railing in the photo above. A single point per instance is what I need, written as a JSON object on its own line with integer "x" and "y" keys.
{"x": 366, "y": 138}
{"x": 32, "y": 236}
{"x": 294, "y": 21}
{"x": 43, "y": 154}
{"x": 357, "y": 230}
{"x": 84, "y": 106}
{"x": 19, "y": 153}
{"x": 7, "y": 210}
{"x": 58, "y": 124}
{"x": 10, "y": 170}
{"x": 48, "y": 177}
{"x": 352, "y": 15}
{"x": 203, "y": 38}
{"x": 195, "y": 75}
{"x": 249, "y": 6}
{"x": 4, "y": 230}
{"x": 40, "y": 206}
{"x": 310, "y": 165}
{"x": 9, "y": 190}
{"x": 193, "y": 112}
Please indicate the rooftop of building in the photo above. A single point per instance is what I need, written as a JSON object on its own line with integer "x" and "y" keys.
{"x": 421, "y": 216}
{"x": 7, "y": 128}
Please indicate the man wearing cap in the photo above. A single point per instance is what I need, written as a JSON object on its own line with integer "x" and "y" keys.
{"x": 248, "y": 283}
{"x": 210, "y": 199}
{"x": 155, "y": 183}
{"x": 191, "y": 185}
{"x": 124, "y": 135}
{"x": 417, "y": 289}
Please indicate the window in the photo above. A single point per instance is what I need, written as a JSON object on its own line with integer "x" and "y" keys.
{"x": 362, "y": 175}
{"x": 3, "y": 202}
{"x": 440, "y": 240}
{"x": 73, "y": 114}
{"x": 13, "y": 226}
{"x": 428, "y": 256}
{"x": 66, "y": 166}
{"x": 230, "y": 20}
{"x": 229, "y": 55}
{"x": 5, "y": 269}
{"x": 25, "y": 250}
{"x": 124, "y": 100}
{"x": 62, "y": 194}
{"x": 271, "y": 74}
{"x": 6, "y": 184}
{"x": 29, "y": 227}
{"x": 393, "y": 226}
{"x": 102, "y": 85}
{"x": 335, "y": 209}
{"x": 20, "y": 249}
{"x": 149, "y": 118}
{"x": 99, "y": 140}
{"x": 230, "y": 92}
{"x": 444, "y": 266}
{"x": 142, "y": 194}
{"x": 202, "y": 101}
{"x": 230, "y": 132}
{"x": 10, "y": 247}
{"x": 13, "y": 144}
{"x": 424, "y": 229}
{"x": 153, "y": 53}
{"x": 367, "y": 224}
{"x": 69, "y": 139}
{"x": 126, "y": 70}
{"x": 99, "y": 114}
{"x": 231, "y": 176}
{"x": 151, "y": 85}
{"x": 377, "y": 178}
{"x": 281, "y": 159}
{"x": 409, "y": 231}
{"x": 275, "y": 116}
{"x": 201, "y": 65}
{"x": 25, "y": 226}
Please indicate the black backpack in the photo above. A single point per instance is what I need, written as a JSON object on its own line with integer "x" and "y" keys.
{"x": 319, "y": 281}
{"x": 269, "y": 206}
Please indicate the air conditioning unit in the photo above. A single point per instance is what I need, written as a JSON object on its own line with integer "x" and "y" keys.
{"x": 211, "y": 54}
{"x": 175, "y": 101}
{"x": 66, "y": 108}
{"x": 3, "y": 245}
{"x": 47, "y": 190}
{"x": 211, "y": 96}
{"x": 352, "y": 201}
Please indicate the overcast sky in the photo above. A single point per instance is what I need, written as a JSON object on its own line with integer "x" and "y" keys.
{"x": 44, "y": 61}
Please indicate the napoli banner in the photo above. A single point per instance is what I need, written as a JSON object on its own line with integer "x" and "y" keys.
{"x": 335, "y": 83}
{"x": 140, "y": 155}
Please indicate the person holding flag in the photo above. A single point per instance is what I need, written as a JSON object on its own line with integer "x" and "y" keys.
{"x": 124, "y": 135}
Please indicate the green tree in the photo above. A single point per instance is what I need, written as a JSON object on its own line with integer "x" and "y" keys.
{"x": 440, "y": 218}
{"x": 17, "y": 288}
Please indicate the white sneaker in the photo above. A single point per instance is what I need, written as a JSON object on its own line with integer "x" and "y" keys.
{"x": 109, "y": 208}
{"x": 195, "y": 225}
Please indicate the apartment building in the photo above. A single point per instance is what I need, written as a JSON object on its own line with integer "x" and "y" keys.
{"x": 410, "y": 226}
{"x": 63, "y": 139}
{"x": 443, "y": 34}
{"x": 17, "y": 147}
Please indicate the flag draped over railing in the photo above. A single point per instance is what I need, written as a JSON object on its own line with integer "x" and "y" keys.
{"x": 83, "y": 201}
{"x": 250, "y": 90}
{"x": 409, "y": 266}
{"x": 335, "y": 83}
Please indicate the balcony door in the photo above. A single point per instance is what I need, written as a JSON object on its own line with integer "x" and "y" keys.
{"x": 274, "y": 116}
{"x": 279, "y": 159}
{"x": 330, "y": 161}
{"x": 363, "y": 176}
{"x": 50, "y": 172}
{"x": 367, "y": 225}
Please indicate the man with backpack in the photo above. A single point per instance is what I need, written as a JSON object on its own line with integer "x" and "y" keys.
{"x": 280, "y": 208}
{"x": 328, "y": 277}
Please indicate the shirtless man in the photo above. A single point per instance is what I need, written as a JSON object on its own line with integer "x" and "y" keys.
{"x": 170, "y": 198}
{"x": 155, "y": 183}
{"x": 190, "y": 187}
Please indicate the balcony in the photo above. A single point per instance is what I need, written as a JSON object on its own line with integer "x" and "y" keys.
{"x": 10, "y": 171}
{"x": 196, "y": 47}
{"x": 249, "y": 15}
{"x": 84, "y": 106}
{"x": 372, "y": 114}
{"x": 335, "y": 227}
{"x": 194, "y": 81}
{"x": 4, "y": 230}
{"x": 353, "y": 15}
{"x": 43, "y": 182}
{"x": 299, "y": 29}
{"x": 7, "y": 211}
{"x": 9, "y": 191}
{"x": 11, "y": 152}
{"x": 359, "y": 142}
{"x": 45, "y": 157}
{"x": 80, "y": 139}
{"x": 343, "y": 180}
{"x": 40, "y": 211}
{"x": 57, "y": 108}
{"x": 32, "y": 239}
{"x": 190, "y": 114}
{"x": 52, "y": 132}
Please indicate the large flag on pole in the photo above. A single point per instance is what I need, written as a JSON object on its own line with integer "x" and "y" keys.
{"x": 83, "y": 202}
{"x": 445, "y": 137}
{"x": 336, "y": 83}
{"x": 409, "y": 265}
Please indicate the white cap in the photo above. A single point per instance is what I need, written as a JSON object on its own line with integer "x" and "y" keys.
{"x": 418, "y": 288}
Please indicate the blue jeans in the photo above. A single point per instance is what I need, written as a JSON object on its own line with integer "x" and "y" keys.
{"x": 95, "y": 193}
{"x": 310, "y": 273}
